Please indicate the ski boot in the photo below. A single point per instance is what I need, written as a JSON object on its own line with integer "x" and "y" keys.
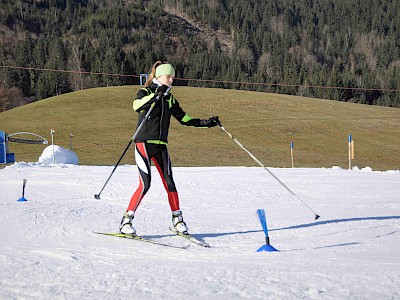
{"x": 179, "y": 224}
{"x": 126, "y": 223}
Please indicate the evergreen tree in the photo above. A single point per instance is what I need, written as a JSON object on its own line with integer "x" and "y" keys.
{"x": 343, "y": 43}
{"x": 52, "y": 82}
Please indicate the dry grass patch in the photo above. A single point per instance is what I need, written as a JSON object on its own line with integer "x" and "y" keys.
{"x": 102, "y": 122}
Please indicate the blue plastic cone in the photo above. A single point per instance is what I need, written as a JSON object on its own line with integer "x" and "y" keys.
{"x": 22, "y": 199}
{"x": 267, "y": 247}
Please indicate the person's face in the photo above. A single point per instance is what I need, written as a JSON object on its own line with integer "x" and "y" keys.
{"x": 166, "y": 79}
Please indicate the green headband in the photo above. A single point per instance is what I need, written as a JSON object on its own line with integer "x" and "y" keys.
{"x": 165, "y": 69}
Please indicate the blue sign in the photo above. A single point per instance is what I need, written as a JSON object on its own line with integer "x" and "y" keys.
{"x": 5, "y": 157}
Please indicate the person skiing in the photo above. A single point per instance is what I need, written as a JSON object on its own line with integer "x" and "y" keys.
{"x": 152, "y": 139}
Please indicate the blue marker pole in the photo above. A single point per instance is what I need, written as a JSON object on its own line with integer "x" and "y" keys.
{"x": 292, "y": 153}
{"x": 350, "y": 139}
{"x": 22, "y": 199}
{"x": 267, "y": 247}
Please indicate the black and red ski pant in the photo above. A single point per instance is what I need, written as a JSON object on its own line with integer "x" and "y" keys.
{"x": 158, "y": 154}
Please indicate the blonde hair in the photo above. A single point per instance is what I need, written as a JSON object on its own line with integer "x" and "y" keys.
{"x": 152, "y": 74}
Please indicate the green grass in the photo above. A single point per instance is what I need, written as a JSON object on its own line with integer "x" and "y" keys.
{"x": 102, "y": 122}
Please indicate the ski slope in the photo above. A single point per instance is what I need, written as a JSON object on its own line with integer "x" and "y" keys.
{"x": 49, "y": 251}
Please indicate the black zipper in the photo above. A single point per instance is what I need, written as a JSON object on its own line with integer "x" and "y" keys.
{"x": 162, "y": 116}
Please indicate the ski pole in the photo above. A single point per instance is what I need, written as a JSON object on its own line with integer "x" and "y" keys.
{"x": 97, "y": 196}
{"x": 265, "y": 168}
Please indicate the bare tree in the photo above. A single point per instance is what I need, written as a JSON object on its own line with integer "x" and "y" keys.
{"x": 278, "y": 25}
{"x": 247, "y": 58}
{"x": 264, "y": 65}
{"x": 75, "y": 64}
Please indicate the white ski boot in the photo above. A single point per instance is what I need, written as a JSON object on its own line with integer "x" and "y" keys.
{"x": 178, "y": 222}
{"x": 126, "y": 223}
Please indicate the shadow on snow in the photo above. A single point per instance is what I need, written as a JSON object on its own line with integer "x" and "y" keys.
{"x": 337, "y": 221}
{"x": 201, "y": 236}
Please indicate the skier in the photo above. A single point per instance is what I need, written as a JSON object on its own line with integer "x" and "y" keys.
{"x": 151, "y": 141}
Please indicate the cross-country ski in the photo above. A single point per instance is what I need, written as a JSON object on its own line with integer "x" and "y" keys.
{"x": 142, "y": 239}
{"x": 190, "y": 238}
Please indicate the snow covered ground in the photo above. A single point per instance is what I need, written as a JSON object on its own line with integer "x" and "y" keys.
{"x": 49, "y": 251}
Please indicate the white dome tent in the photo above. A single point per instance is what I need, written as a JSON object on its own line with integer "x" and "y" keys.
{"x": 61, "y": 156}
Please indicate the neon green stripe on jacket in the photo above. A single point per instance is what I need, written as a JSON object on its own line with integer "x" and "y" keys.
{"x": 156, "y": 142}
{"x": 138, "y": 103}
{"x": 186, "y": 118}
{"x": 171, "y": 100}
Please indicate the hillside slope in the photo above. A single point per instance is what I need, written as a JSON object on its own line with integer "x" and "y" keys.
{"x": 102, "y": 122}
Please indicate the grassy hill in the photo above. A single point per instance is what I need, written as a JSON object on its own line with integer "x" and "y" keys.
{"x": 102, "y": 122}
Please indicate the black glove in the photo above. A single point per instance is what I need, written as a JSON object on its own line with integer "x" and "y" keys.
{"x": 211, "y": 122}
{"x": 162, "y": 89}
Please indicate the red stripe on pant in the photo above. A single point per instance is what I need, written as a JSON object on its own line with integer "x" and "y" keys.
{"x": 141, "y": 191}
{"x": 173, "y": 197}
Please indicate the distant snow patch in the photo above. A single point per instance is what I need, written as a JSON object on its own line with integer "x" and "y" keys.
{"x": 337, "y": 168}
{"x": 366, "y": 169}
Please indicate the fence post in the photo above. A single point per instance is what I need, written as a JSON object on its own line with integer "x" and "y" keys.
{"x": 292, "y": 153}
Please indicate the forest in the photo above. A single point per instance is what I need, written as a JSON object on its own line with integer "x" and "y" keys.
{"x": 345, "y": 50}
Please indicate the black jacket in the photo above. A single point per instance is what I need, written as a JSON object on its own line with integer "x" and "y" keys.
{"x": 155, "y": 128}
